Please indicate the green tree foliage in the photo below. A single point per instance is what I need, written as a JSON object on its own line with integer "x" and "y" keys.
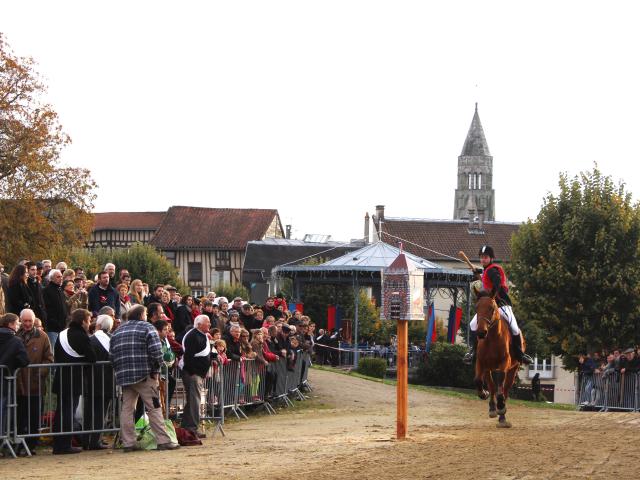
{"x": 232, "y": 291}
{"x": 142, "y": 261}
{"x": 443, "y": 367}
{"x": 577, "y": 267}
{"x": 43, "y": 204}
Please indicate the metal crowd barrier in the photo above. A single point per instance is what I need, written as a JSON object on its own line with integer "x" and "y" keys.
{"x": 57, "y": 399}
{"x": 611, "y": 390}
{"x": 7, "y": 384}
{"x": 30, "y": 407}
{"x": 212, "y": 396}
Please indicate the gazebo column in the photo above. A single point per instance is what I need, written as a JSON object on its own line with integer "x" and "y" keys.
{"x": 356, "y": 295}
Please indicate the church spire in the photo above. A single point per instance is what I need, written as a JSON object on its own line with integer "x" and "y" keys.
{"x": 475, "y": 191}
{"x": 475, "y": 145}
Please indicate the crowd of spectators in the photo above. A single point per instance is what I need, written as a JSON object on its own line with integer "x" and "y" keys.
{"x": 597, "y": 369}
{"x": 58, "y": 315}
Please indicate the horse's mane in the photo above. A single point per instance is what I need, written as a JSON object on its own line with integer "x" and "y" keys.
{"x": 483, "y": 293}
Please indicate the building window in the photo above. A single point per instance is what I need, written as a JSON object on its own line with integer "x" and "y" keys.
{"x": 195, "y": 292}
{"x": 195, "y": 272}
{"x": 479, "y": 181}
{"x": 171, "y": 256}
{"x": 219, "y": 279}
{"x": 471, "y": 181}
{"x": 223, "y": 260}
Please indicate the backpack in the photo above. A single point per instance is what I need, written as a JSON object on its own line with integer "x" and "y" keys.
{"x": 187, "y": 438}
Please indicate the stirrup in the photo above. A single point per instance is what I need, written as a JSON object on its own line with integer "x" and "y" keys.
{"x": 468, "y": 358}
{"x": 526, "y": 359}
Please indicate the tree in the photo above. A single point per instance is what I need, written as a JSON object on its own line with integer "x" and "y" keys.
{"x": 577, "y": 267}
{"x": 42, "y": 203}
{"x": 141, "y": 260}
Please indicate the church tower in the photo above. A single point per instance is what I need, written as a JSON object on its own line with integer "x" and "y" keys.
{"x": 475, "y": 196}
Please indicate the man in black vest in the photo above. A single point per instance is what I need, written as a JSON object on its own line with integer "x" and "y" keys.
{"x": 196, "y": 362}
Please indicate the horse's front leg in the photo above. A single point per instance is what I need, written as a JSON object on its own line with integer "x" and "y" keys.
{"x": 479, "y": 381}
{"x": 499, "y": 380}
{"x": 492, "y": 395}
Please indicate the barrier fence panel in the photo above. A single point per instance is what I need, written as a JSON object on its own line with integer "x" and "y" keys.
{"x": 253, "y": 384}
{"x": 294, "y": 376}
{"x": 281, "y": 392}
{"x": 65, "y": 399}
{"x": 608, "y": 391}
{"x": 212, "y": 396}
{"x": 7, "y": 404}
{"x": 231, "y": 382}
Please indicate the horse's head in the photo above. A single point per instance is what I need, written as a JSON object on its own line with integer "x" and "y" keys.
{"x": 488, "y": 314}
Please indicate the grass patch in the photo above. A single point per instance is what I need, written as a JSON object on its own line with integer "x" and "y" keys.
{"x": 447, "y": 391}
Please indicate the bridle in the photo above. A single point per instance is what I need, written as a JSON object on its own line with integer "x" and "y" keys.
{"x": 491, "y": 321}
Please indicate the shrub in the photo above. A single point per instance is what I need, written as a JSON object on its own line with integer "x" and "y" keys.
{"x": 372, "y": 367}
{"x": 443, "y": 367}
{"x": 231, "y": 292}
{"x": 142, "y": 261}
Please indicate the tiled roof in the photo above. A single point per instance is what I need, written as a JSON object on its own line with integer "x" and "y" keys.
{"x": 212, "y": 228}
{"x": 448, "y": 237}
{"x": 127, "y": 220}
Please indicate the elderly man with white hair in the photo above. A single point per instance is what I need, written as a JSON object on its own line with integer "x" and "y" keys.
{"x": 195, "y": 365}
{"x": 31, "y": 385}
{"x": 99, "y": 394}
{"x": 55, "y": 304}
{"x": 110, "y": 268}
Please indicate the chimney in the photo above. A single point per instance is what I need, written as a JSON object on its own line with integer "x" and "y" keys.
{"x": 380, "y": 212}
{"x": 287, "y": 232}
{"x": 480, "y": 218}
{"x": 366, "y": 229}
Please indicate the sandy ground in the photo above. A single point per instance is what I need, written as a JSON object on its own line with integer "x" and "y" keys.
{"x": 347, "y": 431}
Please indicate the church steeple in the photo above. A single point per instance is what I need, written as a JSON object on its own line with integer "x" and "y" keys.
{"x": 475, "y": 174}
{"x": 475, "y": 144}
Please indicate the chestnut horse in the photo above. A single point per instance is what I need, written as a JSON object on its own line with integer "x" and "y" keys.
{"x": 494, "y": 363}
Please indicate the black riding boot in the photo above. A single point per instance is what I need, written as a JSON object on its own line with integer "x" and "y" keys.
{"x": 473, "y": 345}
{"x": 516, "y": 346}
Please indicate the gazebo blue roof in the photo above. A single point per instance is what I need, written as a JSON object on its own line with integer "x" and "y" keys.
{"x": 372, "y": 258}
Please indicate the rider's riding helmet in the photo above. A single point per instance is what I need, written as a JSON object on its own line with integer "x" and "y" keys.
{"x": 487, "y": 250}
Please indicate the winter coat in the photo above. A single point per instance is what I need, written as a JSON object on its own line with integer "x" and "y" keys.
{"x": 74, "y": 302}
{"x": 19, "y": 297}
{"x": 99, "y": 297}
{"x": 13, "y": 354}
{"x": 38, "y": 301}
{"x": 69, "y": 380}
{"x": 56, "y": 305}
{"x": 31, "y": 382}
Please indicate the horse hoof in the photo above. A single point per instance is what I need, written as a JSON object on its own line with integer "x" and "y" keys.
{"x": 492, "y": 414}
{"x": 504, "y": 424}
{"x": 483, "y": 395}
{"x": 502, "y": 411}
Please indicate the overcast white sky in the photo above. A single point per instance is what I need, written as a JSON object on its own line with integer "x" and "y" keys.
{"x": 325, "y": 109}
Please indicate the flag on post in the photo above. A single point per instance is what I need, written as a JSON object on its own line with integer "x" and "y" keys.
{"x": 455, "y": 316}
{"x": 431, "y": 328}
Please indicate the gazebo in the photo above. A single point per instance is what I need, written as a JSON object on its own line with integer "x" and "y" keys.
{"x": 365, "y": 268}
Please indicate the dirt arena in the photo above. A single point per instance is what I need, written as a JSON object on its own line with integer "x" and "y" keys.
{"x": 346, "y": 431}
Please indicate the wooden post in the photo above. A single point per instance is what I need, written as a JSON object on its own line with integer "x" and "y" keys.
{"x": 402, "y": 381}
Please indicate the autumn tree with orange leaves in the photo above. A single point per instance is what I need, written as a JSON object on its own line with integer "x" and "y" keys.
{"x": 44, "y": 205}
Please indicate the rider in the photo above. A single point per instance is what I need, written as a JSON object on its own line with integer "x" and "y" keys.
{"x": 494, "y": 281}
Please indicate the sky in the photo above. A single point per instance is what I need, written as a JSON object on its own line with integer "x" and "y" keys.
{"x": 325, "y": 109}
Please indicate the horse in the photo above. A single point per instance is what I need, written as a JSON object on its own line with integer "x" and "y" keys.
{"x": 494, "y": 363}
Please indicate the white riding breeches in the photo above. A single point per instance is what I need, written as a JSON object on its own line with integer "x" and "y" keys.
{"x": 506, "y": 313}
